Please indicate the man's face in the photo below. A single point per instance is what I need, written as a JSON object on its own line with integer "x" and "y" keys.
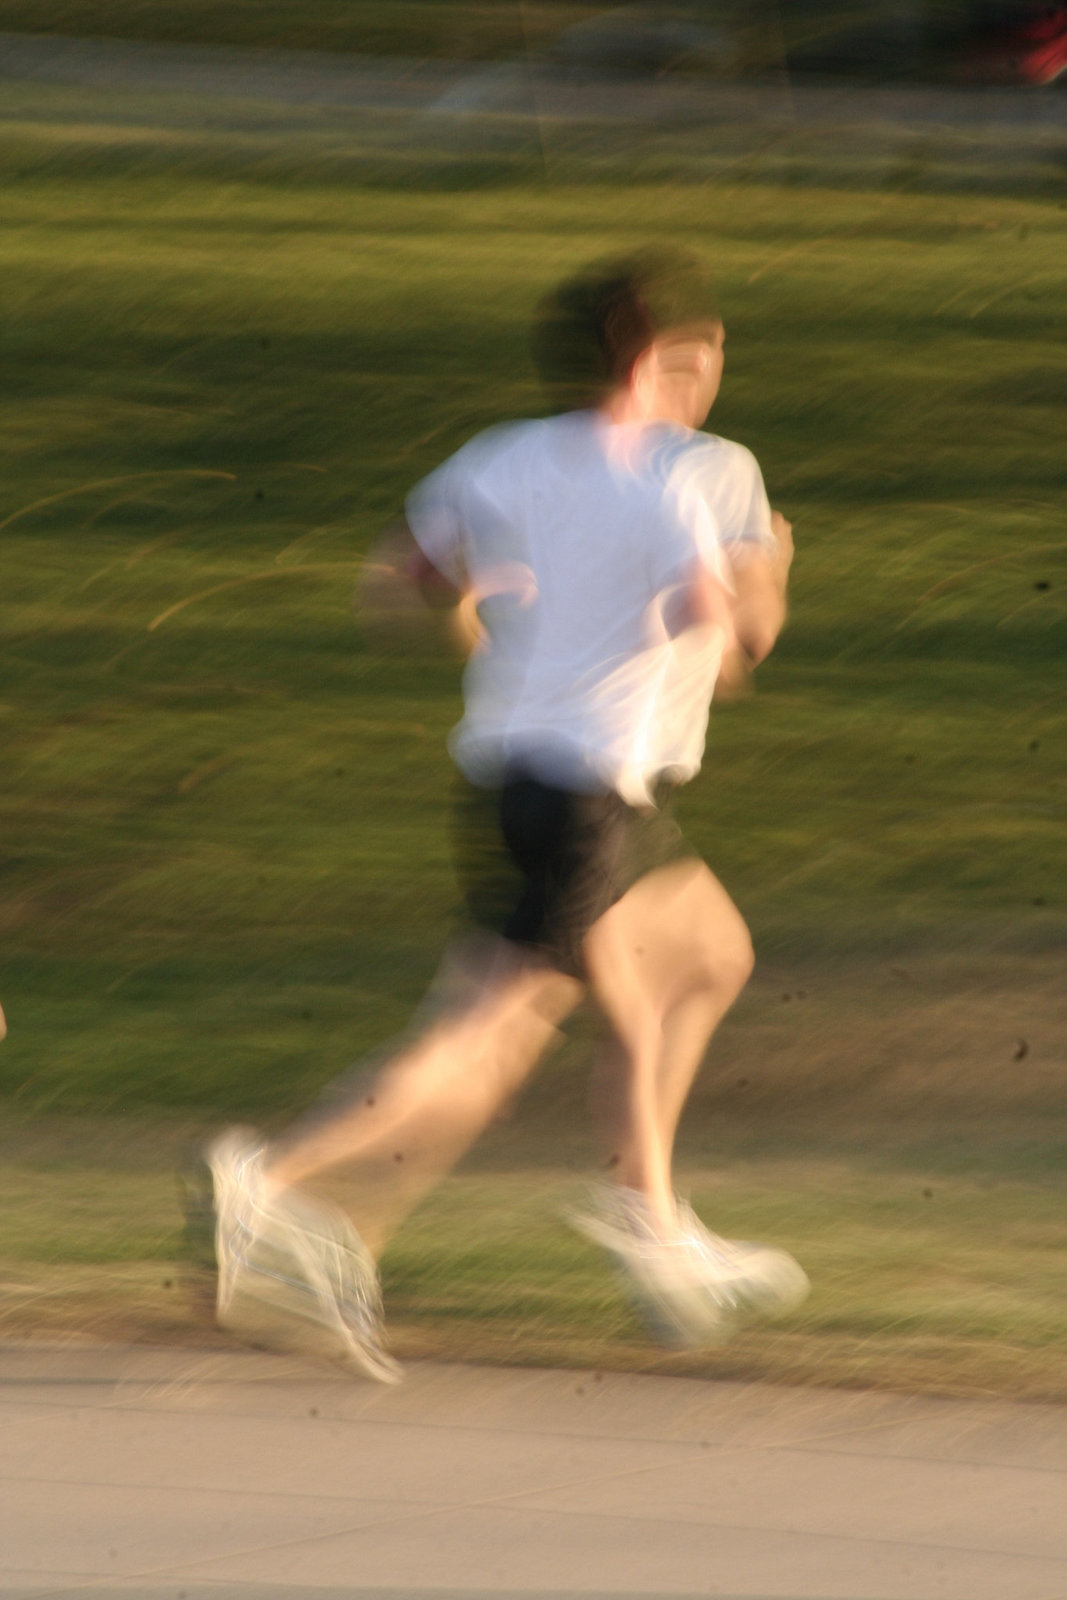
{"x": 687, "y": 371}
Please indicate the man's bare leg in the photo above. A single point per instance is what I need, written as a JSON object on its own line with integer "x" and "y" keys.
{"x": 665, "y": 968}
{"x": 280, "y": 1249}
{"x": 665, "y": 963}
{"x": 431, "y": 1099}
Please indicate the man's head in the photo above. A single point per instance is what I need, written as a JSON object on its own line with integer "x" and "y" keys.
{"x": 645, "y": 324}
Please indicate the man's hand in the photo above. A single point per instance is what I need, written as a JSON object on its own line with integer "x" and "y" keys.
{"x": 396, "y": 590}
{"x": 783, "y": 532}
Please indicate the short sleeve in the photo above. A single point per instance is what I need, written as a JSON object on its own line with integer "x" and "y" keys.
{"x": 434, "y": 511}
{"x": 743, "y": 510}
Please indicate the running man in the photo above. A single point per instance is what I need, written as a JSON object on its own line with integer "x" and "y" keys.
{"x": 606, "y": 562}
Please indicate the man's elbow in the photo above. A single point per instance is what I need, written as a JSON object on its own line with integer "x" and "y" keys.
{"x": 758, "y": 641}
{"x": 758, "y": 628}
{"x": 759, "y": 609}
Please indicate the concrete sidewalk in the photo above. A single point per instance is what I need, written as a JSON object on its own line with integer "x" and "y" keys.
{"x": 170, "y": 1474}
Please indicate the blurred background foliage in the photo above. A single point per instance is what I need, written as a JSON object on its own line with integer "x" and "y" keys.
{"x": 901, "y": 38}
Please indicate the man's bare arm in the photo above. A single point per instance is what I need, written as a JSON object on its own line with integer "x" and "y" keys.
{"x": 761, "y": 580}
{"x": 398, "y": 584}
{"x": 752, "y": 614}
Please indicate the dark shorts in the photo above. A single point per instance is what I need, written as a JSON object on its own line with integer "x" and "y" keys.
{"x": 540, "y": 865}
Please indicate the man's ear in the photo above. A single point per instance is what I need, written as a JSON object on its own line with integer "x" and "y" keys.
{"x": 644, "y": 378}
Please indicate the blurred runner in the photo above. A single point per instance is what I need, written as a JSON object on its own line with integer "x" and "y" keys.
{"x": 605, "y": 563}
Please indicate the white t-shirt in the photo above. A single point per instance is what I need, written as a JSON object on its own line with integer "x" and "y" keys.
{"x": 573, "y": 533}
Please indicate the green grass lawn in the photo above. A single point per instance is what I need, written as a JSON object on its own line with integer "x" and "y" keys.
{"x": 929, "y": 1274}
{"x": 224, "y": 867}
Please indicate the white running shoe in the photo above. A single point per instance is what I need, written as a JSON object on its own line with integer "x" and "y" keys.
{"x": 691, "y": 1288}
{"x": 748, "y": 1278}
{"x": 297, "y": 1255}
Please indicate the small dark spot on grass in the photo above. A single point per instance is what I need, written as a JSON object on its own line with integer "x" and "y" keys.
{"x": 910, "y": 759}
{"x": 264, "y": 344}
{"x": 928, "y": 1194}
{"x": 1042, "y": 584}
{"x": 259, "y": 495}
{"x": 306, "y": 1015}
{"x": 802, "y": 994}
{"x": 1022, "y": 1050}
{"x": 168, "y": 1283}
{"x": 1039, "y": 899}
{"x": 340, "y": 772}
{"x": 1035, "y": 744}
{"x": 742, "y": 1083}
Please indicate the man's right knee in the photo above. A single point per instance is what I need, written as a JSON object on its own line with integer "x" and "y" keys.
{"x": 723, "y": 943}
{"x": 735, "y": 962}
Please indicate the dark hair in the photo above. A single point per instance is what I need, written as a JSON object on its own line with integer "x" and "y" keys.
{"x": 591, "y": 329}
